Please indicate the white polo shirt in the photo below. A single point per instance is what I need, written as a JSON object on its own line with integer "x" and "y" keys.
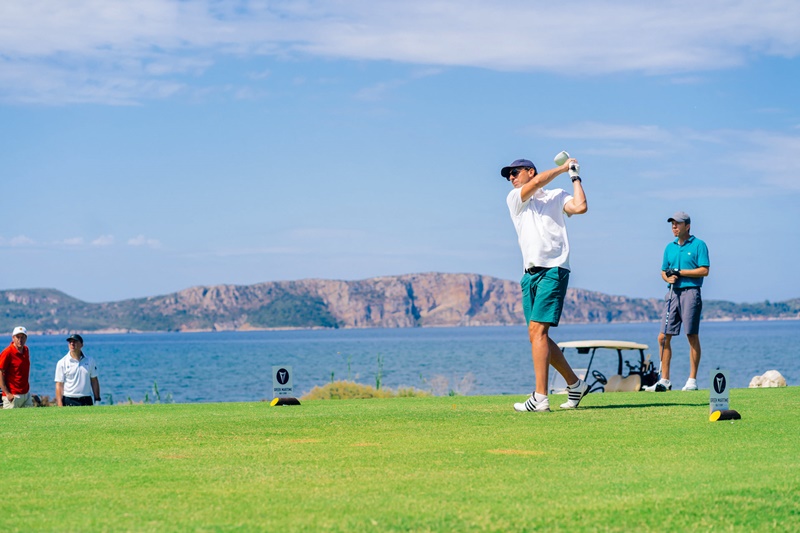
{"x": 76, "y": 375}
{"x": 541, "y": 227}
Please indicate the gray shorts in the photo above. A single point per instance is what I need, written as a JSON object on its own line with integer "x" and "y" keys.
{"x": 684, "y": 307}
{"x": 20, "y": 400}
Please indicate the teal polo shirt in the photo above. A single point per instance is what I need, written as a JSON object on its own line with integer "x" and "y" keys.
{"x": 693, "y": 254}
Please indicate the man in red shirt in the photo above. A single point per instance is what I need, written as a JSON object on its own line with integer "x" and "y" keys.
{"x": 15, "y": 366}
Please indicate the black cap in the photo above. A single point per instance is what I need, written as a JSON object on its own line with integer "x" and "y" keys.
{"x": 75, "y": 337}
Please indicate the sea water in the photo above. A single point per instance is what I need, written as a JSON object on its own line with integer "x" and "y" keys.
{"x": 237, "y": 366}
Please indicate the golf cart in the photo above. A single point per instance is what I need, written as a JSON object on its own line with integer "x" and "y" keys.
{"x": 639, "y": 374}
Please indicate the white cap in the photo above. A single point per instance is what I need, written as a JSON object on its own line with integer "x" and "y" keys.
{"x": 18, "y": 330}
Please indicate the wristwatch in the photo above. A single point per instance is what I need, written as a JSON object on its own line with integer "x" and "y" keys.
{"x": 576, "y": 178}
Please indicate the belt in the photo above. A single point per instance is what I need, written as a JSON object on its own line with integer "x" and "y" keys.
{"x": 534, "y": 270}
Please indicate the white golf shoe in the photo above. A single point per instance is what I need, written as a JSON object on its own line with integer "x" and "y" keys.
{"x": 575, "y": 394}
{"x": 532, "y": 405}
{"x": 662, "y": 385}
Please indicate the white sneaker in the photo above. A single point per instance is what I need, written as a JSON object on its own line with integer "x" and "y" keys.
{"x": 532, "y": 405}
{"x": 575, "y": 394}
{"x": 691, "y": 384}
{"x": 662, "y": 385}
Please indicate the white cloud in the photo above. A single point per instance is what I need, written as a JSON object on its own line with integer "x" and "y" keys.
{"x": 118, "y": 52}
{"x": 379, "y": 91}
{"x": 248, "y": 93}
{"x": 754, "y": 162}
{"x": 38, "y": 81}
{"x": 771, "y": 157}
{"x": 103, "y": 240}
{"x": 262, "y": 75}
{"x": 325, "y": 234}
{"x": 683, "y": 193}
{"x": 141, "y": 240}
{"x": 615, "y": 132}
{"x": 21, "y": 240}
{"x": 254, "y": 251}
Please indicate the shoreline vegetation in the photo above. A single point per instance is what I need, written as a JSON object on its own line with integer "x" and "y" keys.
{"x": 413, "y": 300}
{"x": 336, "y": 389}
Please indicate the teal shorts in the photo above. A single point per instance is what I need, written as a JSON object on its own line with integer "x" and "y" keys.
{"x": 543, "y": 295}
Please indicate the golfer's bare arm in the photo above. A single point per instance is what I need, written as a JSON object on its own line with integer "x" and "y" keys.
{"x": 578, "y": 205}
{"x": 541, "y": 179}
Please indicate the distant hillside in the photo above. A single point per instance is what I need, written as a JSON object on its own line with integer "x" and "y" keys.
{"x": 411, "y": 300}
{"x": 722, "y": 310}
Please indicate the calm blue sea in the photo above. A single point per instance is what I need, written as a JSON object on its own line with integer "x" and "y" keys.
{"x": 237, "y": 366}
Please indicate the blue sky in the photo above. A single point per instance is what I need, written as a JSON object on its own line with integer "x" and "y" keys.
{"x": 151, "y": 146}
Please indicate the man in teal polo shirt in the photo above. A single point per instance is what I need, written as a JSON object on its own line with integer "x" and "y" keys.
{"x": 684, "y": 266}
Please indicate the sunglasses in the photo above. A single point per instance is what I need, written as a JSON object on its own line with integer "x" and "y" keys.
{"x": 514, "y": 172}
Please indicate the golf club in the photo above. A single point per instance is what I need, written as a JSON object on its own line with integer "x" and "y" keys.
{"x": 664, "y": 332}
{"x": 561, "y": 158}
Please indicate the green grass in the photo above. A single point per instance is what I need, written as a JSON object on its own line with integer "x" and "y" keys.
{"x": 625, "y": 461}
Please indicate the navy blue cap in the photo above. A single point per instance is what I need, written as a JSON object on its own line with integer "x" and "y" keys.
{"x": 519, "y": 163}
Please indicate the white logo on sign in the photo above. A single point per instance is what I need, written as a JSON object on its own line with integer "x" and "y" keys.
{"x": 283, "y": 376}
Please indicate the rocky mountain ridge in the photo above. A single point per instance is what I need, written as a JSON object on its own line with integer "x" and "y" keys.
{"x": 412, "y": 300}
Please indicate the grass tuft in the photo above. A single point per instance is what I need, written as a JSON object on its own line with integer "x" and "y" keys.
{"x": 350, "y": 390}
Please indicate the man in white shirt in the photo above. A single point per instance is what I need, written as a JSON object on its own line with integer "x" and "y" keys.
{"x": 76, "y": 376}
{"x": 538, "y": 216}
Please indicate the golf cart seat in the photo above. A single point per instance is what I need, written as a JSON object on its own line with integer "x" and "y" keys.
{"x": 617, "y": 383}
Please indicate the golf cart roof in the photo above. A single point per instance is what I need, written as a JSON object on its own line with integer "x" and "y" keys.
{"x": 613, "y": 345}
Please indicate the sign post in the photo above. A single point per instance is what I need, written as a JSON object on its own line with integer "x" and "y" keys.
{"x": 718, "y": 398}
{"x": 282, "y": 386}
{"x": 282, "y": 381}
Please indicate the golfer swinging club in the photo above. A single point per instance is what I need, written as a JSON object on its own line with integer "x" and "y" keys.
{"x": 538, "y": 216}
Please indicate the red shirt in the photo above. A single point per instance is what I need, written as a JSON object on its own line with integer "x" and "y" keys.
{"x": 16, "y": 367}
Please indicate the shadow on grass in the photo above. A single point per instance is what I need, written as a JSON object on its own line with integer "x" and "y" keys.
{"x": 637, "y": 406}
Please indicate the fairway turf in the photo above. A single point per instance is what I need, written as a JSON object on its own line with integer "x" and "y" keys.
{"x": 622, "y": 461}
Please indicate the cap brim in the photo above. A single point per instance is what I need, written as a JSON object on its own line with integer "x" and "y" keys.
{"x": 506, "y": 172}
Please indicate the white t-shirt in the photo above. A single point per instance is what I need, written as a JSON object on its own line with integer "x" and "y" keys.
{"x": 76, "y": 375}
{"x": 541, "y": 228}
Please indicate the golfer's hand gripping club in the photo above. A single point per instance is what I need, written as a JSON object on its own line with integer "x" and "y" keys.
{"x": 574, "y": 170}
{"x": 672, "y": 275}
